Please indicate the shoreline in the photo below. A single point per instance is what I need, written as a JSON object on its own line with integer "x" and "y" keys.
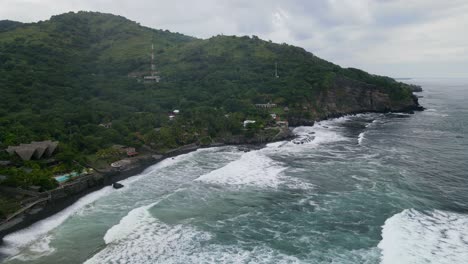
{"x": 51, "y": 208}
{"x": 47, "y": 209}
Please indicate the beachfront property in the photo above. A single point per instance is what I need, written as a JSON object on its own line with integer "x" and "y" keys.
{"x": 72, "y": 175}
{"x": 131, "y": 152}
{"x": 34, "y": 150}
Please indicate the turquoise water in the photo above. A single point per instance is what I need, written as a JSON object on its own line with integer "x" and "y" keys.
{"x": 66, "y": 177}
{"x": 62, "y": 178}
{"x": 371, "y": 188}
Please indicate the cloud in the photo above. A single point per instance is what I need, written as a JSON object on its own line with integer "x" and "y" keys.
{"x": 390, "y": 37}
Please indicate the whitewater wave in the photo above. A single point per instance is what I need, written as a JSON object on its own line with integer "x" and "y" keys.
{"x": 415, "y": 237}
{"x": 141, "y": 238}
{"x": 163, "y": 164}
{"x": 321, "y": 133}
{"x": 434, "y": 112}
{"x": 253, "y": 168}
{"x": 32, "y": 235}
{"x": 361, "y": 137}
{"x": 34, "y": 242}
{"x": 38, "y": 249}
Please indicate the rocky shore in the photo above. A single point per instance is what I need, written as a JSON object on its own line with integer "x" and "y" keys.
{"x": 65, "y": 196}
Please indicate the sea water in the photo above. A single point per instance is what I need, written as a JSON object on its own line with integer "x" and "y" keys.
{"x": 369, "y": 188}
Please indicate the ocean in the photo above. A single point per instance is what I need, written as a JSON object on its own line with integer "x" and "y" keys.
{"x": 369, "y": 188}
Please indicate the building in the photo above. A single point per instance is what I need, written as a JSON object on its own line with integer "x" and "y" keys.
{"x": 268, "y": 105}
{"x": 154, "y": 78}
{"x": 131, "y": 152}
{"x": 106, "y": 125}
{"x": 176, "y": 112}
{"x": 273, "y": 116}
{"x": 34, "y": 150}
{"x": 282, "y": 123}
{"x": 247, "y": 122}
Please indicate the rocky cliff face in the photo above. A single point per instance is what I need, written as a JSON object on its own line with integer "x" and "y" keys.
{"x": 347, "y": 96}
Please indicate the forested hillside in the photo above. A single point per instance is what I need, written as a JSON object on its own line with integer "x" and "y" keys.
{"x": 61, "y": 78}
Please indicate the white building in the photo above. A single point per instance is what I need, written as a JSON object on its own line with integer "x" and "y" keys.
{"x": 246, "y": 122}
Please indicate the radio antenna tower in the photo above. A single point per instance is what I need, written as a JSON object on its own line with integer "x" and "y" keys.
{"x": 153, "y": 68}
{"x": 276, "y": 70}
{"x": 154, "y": 77}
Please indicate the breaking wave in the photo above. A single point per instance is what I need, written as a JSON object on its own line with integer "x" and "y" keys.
{"x": 361, "y": 138}
{"x": 33, "y": 235}
{"x": 415, "y": 237}
{"x": 141, "y": 238}
{"x": 253, "y": 168}
{"x": 35, "y": 240}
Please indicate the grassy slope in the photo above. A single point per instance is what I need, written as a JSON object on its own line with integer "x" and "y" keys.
{"x": 60, "y": 78}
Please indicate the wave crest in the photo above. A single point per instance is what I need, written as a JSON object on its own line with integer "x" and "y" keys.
{"x": 415, "y": 237}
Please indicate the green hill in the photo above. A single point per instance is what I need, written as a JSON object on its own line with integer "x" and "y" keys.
{"x": 61, "y": 78}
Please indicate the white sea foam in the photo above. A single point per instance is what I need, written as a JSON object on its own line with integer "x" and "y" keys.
{"x": 414, "y": 237}
{"x": 359, "y": 178}
{"x": 39, "y": 248}
{"x": 160, "y": 165}
{"x": 361, "y": 138}
{"x": 253, "y": 168}
{"x": 141, "y": 238}
{"x": 322, "y": 132}
{"x": 434, "y": 112}
{"x": 137, "y": 218}
{"x": 34, "y": 239}
{"x": 33, "y": 234}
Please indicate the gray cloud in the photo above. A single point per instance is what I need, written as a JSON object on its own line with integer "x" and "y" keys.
{"x": 389, "y": 37}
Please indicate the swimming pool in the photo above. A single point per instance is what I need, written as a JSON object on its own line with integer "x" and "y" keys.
{"x": 65, "y": 177}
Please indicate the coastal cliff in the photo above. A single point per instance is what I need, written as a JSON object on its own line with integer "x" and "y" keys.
{"x": 347, "y": 96}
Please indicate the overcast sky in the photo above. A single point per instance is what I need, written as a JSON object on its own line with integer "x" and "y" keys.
{"x": 399, "y": 38}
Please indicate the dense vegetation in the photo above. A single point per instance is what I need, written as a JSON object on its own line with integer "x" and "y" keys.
{"x": 61, "y": 78}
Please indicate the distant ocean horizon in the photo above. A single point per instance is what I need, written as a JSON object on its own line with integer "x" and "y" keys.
{"x": 367, "y": 188}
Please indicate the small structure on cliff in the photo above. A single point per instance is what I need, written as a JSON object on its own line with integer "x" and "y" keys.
{"x": 247, "y": 122}
{"x": 268, "y": 105}
{"x": 131, "y": 152}
{"x": 106, "y": 125}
